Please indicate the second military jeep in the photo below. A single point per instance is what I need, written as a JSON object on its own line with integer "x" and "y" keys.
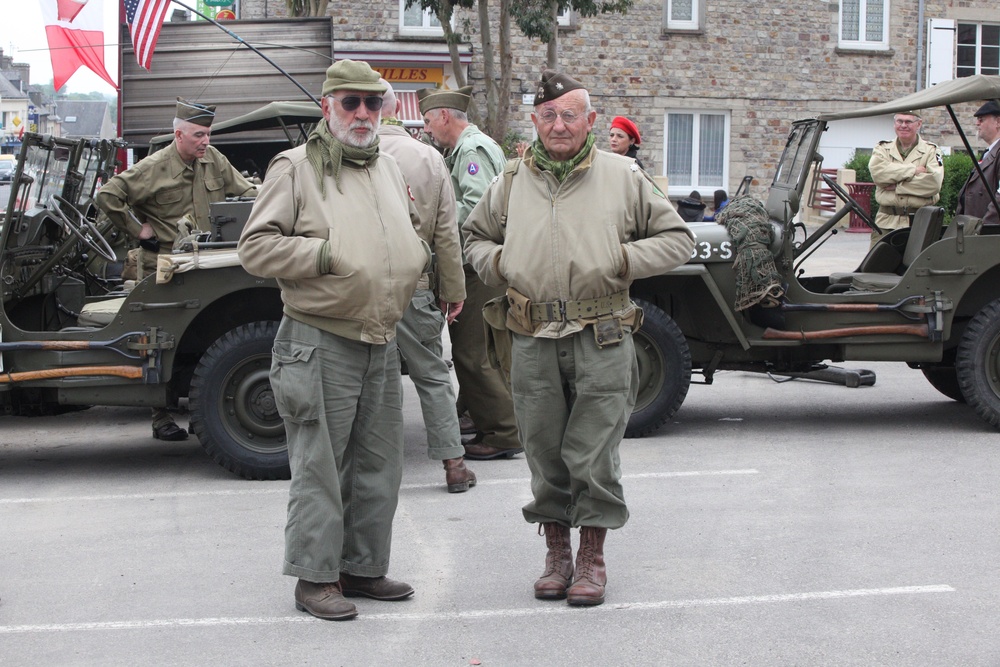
{"x": 927, "y": 296}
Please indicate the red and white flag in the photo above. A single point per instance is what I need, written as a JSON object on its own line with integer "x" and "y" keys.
{"x": 145, "y": 19}
{"x": 75, "y": 30}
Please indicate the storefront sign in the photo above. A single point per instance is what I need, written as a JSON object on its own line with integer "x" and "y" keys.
{"x": 411, "y": 74}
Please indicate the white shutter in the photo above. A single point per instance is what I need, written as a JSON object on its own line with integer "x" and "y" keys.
{"x": 940, "y": 51}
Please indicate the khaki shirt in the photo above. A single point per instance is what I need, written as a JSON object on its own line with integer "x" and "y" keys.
{"x": 474, "y": 162}
{"x": 888, "y": 167}
{"x": 161, "y": 189}
{"x": 427, "y": 177}
{"x": 347, "y": 261}
{"x": 589, "y": 236}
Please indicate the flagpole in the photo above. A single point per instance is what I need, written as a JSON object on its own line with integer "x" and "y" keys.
{"x": 251, "y": 47}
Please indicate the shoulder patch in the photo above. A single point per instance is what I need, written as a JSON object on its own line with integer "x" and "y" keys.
{"x": 473, "y": 169}
{"x": 658, "y": 192}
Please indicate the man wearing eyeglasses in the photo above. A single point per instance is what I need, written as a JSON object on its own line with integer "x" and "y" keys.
{"x": 474, "y": 160}
{"x": 575, "y": 228}
{"x": 334, "y": 225}
{"x": 907, "y": 172}
{"x": 974, "y": 198}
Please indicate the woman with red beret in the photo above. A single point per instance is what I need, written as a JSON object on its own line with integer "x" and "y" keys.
{"x": 625, "y": 138}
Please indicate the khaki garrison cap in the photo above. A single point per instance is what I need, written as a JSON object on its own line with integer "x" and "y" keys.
{"x": 192, "y": 112}
{"x": 436, "y": 98}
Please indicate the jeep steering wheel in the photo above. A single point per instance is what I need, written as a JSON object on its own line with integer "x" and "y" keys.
{"x": 851, "y": 203}
{"x": 82, "y": 228}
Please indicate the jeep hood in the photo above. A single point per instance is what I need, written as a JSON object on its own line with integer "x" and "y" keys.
{"x": 956, "y": 91}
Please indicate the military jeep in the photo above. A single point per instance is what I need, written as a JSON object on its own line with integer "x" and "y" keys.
{"x": 926, "y": 295}
{"x": 74, "y": 334}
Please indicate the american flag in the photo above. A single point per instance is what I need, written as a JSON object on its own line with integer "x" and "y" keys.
{"x": 145, "y": 18}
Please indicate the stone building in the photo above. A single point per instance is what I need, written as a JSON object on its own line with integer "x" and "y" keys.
{"x": 712, "y": 84}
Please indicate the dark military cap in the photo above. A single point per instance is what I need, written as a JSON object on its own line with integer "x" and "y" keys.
{"x": 436, "y": 98}
{"x": 991, "y": 108}
{"x": 555, "y": 84}
{"x": 192, "y": 112}
{"x": 352, "y": 75}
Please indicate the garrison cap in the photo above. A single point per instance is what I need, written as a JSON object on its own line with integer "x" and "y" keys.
{"x": 555, "y": 84}
{"x": 909, "y": 113}
{"x": 436, "y": 98}
{"x": 991, "y": 108}
{"x": 352, "y": 75}
{"x": 192, "y": 112}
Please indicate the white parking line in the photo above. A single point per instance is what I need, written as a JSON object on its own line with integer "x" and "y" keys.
{"x": 282, "y": 488}
{"x": 473, "y": 614}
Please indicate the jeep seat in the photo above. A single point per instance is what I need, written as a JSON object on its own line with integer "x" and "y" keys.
{"x": 99, "y": 313}
{"x": 925, "y": 230}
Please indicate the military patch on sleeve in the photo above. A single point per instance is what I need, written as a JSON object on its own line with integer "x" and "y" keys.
{"x": 658, "y": 192}
{"x": 473, "y": 169}
{"x": 940, "y": 160}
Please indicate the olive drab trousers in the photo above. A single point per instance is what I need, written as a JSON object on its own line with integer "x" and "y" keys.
{"x": 573, "y": 400}
{"x": 418, "y": 336}
{"x": 341, "y": 401}
{"x": 481, "y": 388}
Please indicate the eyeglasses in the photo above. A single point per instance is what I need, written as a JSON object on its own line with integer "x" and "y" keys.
{"x": 907, "y": 122}
{"x": 352, "y": 102}
{"x": 549, "y": 117}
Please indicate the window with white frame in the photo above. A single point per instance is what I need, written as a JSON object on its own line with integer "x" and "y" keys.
{"x": 697, "y": 150}
{"x": 864, "y": 24}
{"x": 416, "y": 21}
{"x": 682, "y": 14}
{"x": 978, "y": 49}
{"x": 564, "y": 18}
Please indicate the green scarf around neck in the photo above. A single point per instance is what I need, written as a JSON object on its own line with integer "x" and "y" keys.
{"x": 560, "y": 168}
{"x": 324, "y": 150}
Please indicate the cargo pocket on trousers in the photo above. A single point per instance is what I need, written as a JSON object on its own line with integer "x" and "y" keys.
{"x": 296, "y": 380}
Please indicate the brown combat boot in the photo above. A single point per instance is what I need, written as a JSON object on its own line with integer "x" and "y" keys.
{"x": 591, "y": 577}
{"x": 558, "y": 563}
{"x": 457, "y": 476}
{"x": 324, "y": 601}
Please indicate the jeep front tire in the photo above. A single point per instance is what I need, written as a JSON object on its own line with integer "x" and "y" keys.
{"x": 978, "y": 363}
{"x": 664, "y": 361}
{"x": 233, "y": 410}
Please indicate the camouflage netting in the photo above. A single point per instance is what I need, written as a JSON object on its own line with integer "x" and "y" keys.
{"x": 757, "y": 279}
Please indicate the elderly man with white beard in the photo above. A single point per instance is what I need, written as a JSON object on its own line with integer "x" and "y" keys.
{"x": 335, "y": 226}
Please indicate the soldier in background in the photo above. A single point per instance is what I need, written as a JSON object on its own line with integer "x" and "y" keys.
{"x": 475, "y": 160}
{"x": 418, "y": 334}
{"x": 907, "y": 173}
{"x": 150, "y": 199}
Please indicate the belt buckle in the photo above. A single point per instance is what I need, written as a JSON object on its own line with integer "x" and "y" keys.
{"x": 551, "y": 311}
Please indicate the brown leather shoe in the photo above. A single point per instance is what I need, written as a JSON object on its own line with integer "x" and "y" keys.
{"x": 376, "y": 588}
{"x": 457, "y": 476}
{"x": 466, "y": 425}
{"x": 475, "y": 450}
{"x": 558, "y": 563}
{"x": 591, "y": 576}
{"x": 324, "y": 601}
